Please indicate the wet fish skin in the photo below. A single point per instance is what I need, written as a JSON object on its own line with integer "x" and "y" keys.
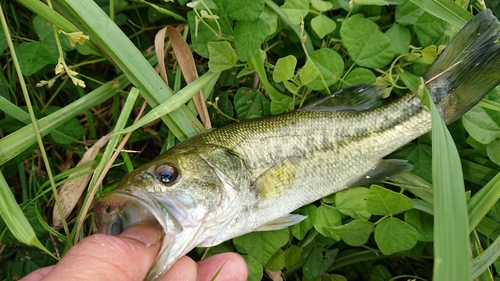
{"x": 249, "y": 176}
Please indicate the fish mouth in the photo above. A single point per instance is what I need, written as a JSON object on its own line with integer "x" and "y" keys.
{"x": 124, "y": 208}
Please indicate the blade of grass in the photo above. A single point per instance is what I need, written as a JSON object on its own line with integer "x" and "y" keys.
{"x": 482, "y": 202}
{"x": 446, "y": 10}
{"x": 15, "y": 220}
{"x": 481, "y": 263}
{"x": 451, "y": 232}
{"x": 108, "y": 36}
{"x": 174, "y": 102}
{"x": 107, "y": 159}
{"x": 482, "y": 272}
{"x": 20, "y": 140}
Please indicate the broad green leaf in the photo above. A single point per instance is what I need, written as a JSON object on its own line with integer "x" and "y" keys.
{"x": 380, "y": 273}
{"x": 296, "y": 10}
{"x": 393, "y": 235}
{"x": 366, "y": 44}
{"x": 329, "y": 66}
{"x": 222, "y": 56}
{"x": 321, "y": 5}
{"x": 318, "y": 261}
{"x": 33, "y": 56}
{"x": 400, "y": 38}
{"x": 359, "y": 75}
{"x": 254, "y": 268}
{"x": 354, "y": 233}
{"x": 430, "y": 30}
{"x": 262, "y": 244}
{"x": 201, "y": 34}
{"x": 481, "y": 123}
{"x": 308, "y": 73}
{"x": 300, "y": 230}
{"x": 271, "y": 18}
{"x": 277, "y": 261}
{"x": 248, "y": 36}
{"x": 327, "y": 217}
{"x": 493, "y": 150}
{"x": 352, "y": 202}
{"x": 241, "y": 10}
{"x": 382, "y": 201}
{"x": 420, "y": 157}
{"x": 408, "y": 13}
{"x": 422, "y": 222}
{"x": 225, "y": 105}
{"x": 250, "y": 103}
{"x": 284, "y": 69}
{"x": 71, "y": 130}
{"x": 378, "y": 2}
{"x": 293, "y": 255}
{"x": 14, "y": 218}
{"x": 322, "y": 25}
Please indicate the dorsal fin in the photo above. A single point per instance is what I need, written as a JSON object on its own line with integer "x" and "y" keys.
{"x": 354, "y": 99}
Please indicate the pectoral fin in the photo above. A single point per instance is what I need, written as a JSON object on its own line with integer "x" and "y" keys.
{"x": 282, "y": 222}
{"x": 384, "y": 169}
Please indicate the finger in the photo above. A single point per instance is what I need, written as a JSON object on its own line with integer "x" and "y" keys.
{"x": 38, "y": 274}
{"x": 184, "y": 269}
{"x": 231, "y": 265}
{"x": 125, "y": 257}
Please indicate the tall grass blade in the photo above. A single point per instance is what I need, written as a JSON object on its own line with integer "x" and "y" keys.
{"x": 446, "y": 10}
{"x": 451, "y": 226}
{"x": 15, "y": 220}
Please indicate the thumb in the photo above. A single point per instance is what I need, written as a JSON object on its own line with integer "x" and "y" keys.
{"x": 128, "y": 256}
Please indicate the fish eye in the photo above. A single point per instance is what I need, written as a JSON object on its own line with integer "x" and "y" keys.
{"x": 167, "y": 174}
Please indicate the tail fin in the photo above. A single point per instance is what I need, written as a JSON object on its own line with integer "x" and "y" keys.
{"x": 468, "y": 69}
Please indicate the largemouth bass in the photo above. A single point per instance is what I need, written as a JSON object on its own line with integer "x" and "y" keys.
{"x": 249, "y": 176}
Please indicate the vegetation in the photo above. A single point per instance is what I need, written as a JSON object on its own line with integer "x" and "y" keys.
{"x": 75, "y": 66}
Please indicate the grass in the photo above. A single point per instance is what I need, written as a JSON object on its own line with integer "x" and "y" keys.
{"x": 35, "y": 161}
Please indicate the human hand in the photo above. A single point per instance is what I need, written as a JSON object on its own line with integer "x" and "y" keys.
{"x": 130, "y": 255}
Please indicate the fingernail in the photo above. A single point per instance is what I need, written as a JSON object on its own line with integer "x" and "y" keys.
{"x": 147, "y": 234}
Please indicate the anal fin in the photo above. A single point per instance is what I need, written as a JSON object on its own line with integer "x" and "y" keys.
{"x": 282, "y": 222}
{"x": 384, "y": 169}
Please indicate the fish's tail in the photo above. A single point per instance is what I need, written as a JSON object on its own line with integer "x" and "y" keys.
{"x": 468, "y": 69}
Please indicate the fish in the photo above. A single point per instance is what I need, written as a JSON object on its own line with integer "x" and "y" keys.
{"x": 250, "y": 176}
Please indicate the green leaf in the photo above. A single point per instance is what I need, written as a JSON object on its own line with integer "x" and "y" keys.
{"x": 296, "y": 10}
{"x": 328, "y": 65}
{"x": 493, "y": 150}
{"x": 430, "y": 30}
{"x": 400, "y": 38}
{"x": 327, "y": 217}
{"x": 300, "y": 230}
{"x": 352, "y": 202}
{"x": 318, "y": 261}
{"x": 261, "y": 245}
{"x": 366, "y": 44}
{"x": 393, "y": 235}
{"x": 446, "y": 10}
{"x": 248, "y": 36}
{"x": 226, "y": 106}
{"x": 254, "y": 268}
{"x": 241, "y": 10}
{"x": 33, "y": 56}
{"x": 322, "y": 25}
{"x": 71, "y": 130}
{"x": 250, "y": 103}
{"x": 284, "y": 69}
{"x": 354, "y": 233}
{"x": 422, "y": 222}
{"x": 222, "y": 56}
{"x": 293, "y": 255}
{"x": 408, "y": 13}
{"x": 382, "y": 201}
{"x": 359, "y": 75}
{"x": 420, "y": 157}
{"x": 3, "y": 41}
{"x": 481, "y": 123}
{"x": 277, "y": 261}
{"x": 201, "y": 34}
{"x": 322, "y": 6}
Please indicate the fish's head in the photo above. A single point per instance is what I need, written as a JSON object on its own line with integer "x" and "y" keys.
{"x": 185, "y": 191}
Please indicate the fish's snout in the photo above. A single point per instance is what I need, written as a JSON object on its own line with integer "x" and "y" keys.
{"x": 107, "y": 211}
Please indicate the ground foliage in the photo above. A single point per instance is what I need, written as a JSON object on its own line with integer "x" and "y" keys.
{"x": 272, "y": 57}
